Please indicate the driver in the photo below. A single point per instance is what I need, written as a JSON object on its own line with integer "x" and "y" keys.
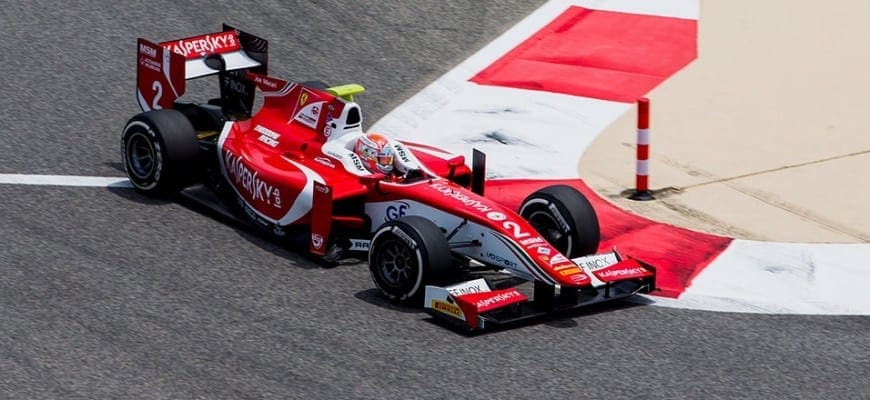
{"x": 375, "y": 152}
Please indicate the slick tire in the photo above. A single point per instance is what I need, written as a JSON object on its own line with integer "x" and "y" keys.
{"x": 160, "y": 151}
{"x": 405, "y": 255}
{"x": 565, "y": 218}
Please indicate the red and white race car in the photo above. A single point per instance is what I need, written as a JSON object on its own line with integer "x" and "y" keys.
{"x": 297, "y": 168}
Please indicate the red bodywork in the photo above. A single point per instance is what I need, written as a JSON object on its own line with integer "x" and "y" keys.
{"x": 275, "y": 160}
{"x": 292, "y": 167}
{"x": 293, "y": 160}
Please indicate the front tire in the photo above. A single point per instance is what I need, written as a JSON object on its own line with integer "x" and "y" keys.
{"x": 406, "y": 254}
{"x": 565, "y": 218}
{"x": 159, "y": 150}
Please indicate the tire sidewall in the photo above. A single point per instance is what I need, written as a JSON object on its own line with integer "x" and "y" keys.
{"x": 175, "y": 150}
{"x": 572, "y": 213}
{"x": 389, "y": 233}
{"x": 555, "y": 211}
{"x": 139, "y": 128}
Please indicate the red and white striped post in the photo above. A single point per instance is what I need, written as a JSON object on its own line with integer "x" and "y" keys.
{"x": 641, "y": 189}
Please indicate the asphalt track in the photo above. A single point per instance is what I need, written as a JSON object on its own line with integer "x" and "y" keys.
{"x": 108, "y": 294}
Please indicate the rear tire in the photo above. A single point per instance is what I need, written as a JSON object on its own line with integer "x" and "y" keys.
{"x": 565, "y": 218}
{"x": 406, "y": 254}
{"x": 160, "y": 151}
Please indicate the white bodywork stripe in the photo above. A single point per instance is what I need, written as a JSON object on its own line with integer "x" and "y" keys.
{"x": 142, "y": 102}
{"x": 302, "y": 203}
{"x": 166, "y": 65}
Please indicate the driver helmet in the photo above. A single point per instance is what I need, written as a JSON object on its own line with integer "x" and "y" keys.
{"x": 375, "y": 152}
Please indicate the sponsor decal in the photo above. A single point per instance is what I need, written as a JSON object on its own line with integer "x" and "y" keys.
{"x": 447, "y": 308}
{"x": 461, "y": 197}
{"x": 578, "y": 278}
{"x": 253, "y": 215}
{"x": 316, "y": 240}
{"x": 325, "y": 161}
{"x": 306, "y": 119}
{"x": 250, "y": 182}
{"x": 564, "y": 266}
{"x": 559, "y": 218}
{"x": 307, "y": 114}
{"x": 303, "y": 98}
{"x": 544, "y": 258}
{"x": 596, "y": 261}
{"x": 529, "y": 241}
{"x": 569, "y": 271}
{"x": 558, "y": 258}
{"x": 475, "y": 286}
{"x": 357, "y": 163}
{"x": 396, "y": 210}
{"x": 615, "y": 273}
{"x": 401, "y": 153}
{"x": 235, "y": 85}
{"x": 544, "y": 250}
{"x": 594, "y": 265}
{"x": 360, "y": 244}
{"x": 150, "y": 64}
{"x": 494, "y": 301}
{"x": 501, "y": 260}
{"x": 327, "y": 128}
{"x": 200, "y": 46}
{"x": 404, "y": 236}
{"x": 496, "y": 216}
{"x": 147, "y": 50}
{"x": 271, "y": 83}
{"x": 322, "y": 189}
{"x": 267, "y": 135}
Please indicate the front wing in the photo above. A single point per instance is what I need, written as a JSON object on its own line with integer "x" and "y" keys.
{"x": 474, "y": 306}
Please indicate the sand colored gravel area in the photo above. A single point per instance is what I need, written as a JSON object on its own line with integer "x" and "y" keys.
{"x": 765, "y": 136}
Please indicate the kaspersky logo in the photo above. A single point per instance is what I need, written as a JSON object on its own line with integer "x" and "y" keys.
{"x": 250, "y": 182}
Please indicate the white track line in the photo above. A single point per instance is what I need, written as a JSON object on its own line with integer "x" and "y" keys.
{"x": 64, "y": 180}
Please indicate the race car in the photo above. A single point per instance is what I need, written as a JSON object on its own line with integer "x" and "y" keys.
{"x": 301, "y": 167}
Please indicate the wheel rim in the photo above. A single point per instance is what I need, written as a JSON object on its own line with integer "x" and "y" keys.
{"x": 549, "y": 229}
{"x": 396, "y": 263}
{"x": 140, "y": 156}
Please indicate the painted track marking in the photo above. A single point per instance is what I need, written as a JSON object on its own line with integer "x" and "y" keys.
{"x": 64, "y": 180}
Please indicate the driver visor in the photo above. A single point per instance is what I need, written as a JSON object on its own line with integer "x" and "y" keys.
{"x": 385, "y": 159}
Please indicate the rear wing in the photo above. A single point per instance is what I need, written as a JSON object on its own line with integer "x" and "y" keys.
{"x": 163, "y": 68}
